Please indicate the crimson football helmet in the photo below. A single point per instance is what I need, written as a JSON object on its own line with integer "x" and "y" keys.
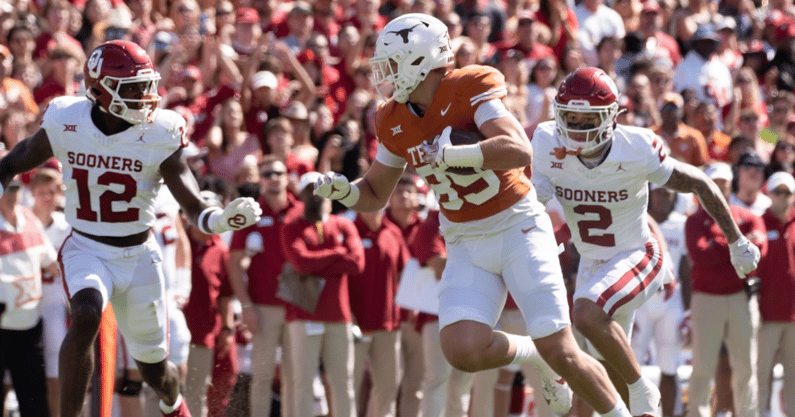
{"x": 593, "y": 94}
{"x": 121, "y": 78}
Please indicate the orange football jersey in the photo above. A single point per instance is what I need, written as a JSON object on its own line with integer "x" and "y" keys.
{"x": 462, "y": 198}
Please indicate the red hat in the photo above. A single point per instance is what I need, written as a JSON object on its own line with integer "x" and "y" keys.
{"x": 247, "y": 15}
{"x": 784, "y": 31}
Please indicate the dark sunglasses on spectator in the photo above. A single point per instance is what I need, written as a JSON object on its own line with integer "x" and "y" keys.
{"x": 184, "y": 9}
{"x": 222, "y": 12}
{"x": 743, "y": 80}
{"x": 269, "y": 174}
{"x": 780, "y": 192}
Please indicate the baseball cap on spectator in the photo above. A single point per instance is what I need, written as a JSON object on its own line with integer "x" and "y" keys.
{"x": 308, "y": 179}
{"x": 751, "y": 159}
{"x": 785, "y": 31}
{"x": 781, "y": 178}
{"x": 705, "y": 32}
{"x": 719, "y": 170}
{"x": 296, "y": 111}
{"x": 301, "y": 7}
{"x": 190, "y": 72}
{"x": 264, "y": 79}
{"x": 163, "y": 40}
{"x": 726, "y": 23}
{"x": 247, "y": 15}
{"x": 651, "y": 6}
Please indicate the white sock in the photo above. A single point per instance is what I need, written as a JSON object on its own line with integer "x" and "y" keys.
{"x": 170, "y": 409}
{"x": 620, "y": 410}
{"x": 525, "y": 348}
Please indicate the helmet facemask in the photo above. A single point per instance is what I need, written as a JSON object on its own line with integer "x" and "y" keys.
{"x": 133, "y": 99}
{"x": 584, "y": 128}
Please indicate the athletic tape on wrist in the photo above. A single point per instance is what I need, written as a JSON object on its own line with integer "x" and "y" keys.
{"x": 464, "y": 156}
{"x": 352, "y": 198}
{"x": 206, "y": 218}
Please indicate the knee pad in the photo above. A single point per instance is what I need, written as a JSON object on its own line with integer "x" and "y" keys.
{"x": 128, "y": 388}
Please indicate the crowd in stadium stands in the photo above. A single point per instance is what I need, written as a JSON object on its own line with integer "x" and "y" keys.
{"x": 275, "y": 91}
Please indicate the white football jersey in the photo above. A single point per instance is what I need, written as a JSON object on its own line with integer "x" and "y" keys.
{"x": 604, "y": 206}
{"x": 111, "y": 181}
{"x": 673, "y": 230}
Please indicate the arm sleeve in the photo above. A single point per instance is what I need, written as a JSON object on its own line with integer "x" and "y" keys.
{"x": 492, "y": 109}
{"x": 386, "y": 157}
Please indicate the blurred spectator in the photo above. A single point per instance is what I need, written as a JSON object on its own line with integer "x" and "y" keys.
{"x": 340, "y": 153}
{"x": 21, "y": 43}
{"x": 298, "y": 116}
{"x": 629, "y": 10}
{"x": 256, "y": 254}
{"x": 26, "y": 252}
{"x": 749, "y": 178}
{"x": 477, "y": 29}
{"x": 782, "y": 159}
{"x": 702, "y": 71}
{"x": 247, "y": 33}
{"x": 780, "y": 110}
{"x": 465, "y": 52}
{"x": 746, "y": 96}
{"x": 208, "y": 312}
{"x": 184, "y": 13}
{"x": 596, "y": 21}
{"x": 686, "y": 21}
{"x": 706, "y": 122}
{"x": 562, "y": 23}
{"x": 608, "y": 50}
{"x": 57, "y": 14}
{"x": 660, "y": 81}
{"x": 64, "y": 67}
{"x": 739, "y": 146}
{"x": 228, "y": 143}
{"x": 144, "y": 28}
{"x": 644, "y": 105}
{"x": 366, "y": 18}
{"x": 777, "y": 293}
{"x": 278, "y": 135}
{"x": 720, "y": 308}
{"x": 784, "y": 59}
{"x": 664, "y": 48}
{"x": 47, "y": 190}
{"x": 686, "y": 143}
{"x": 541, "y": 92}
{"x": 372, "y": 294}
{"x": 315, "y": 242}
{"x": 728, "y": 52}
{"x": 299, "y": 23}
{"x": 468, "y": 8}
{"x": 527, "y": 39}
{"x": 571, "y": 58}
{"x": 14, "y": 95}
{"x": 512, "y": 65}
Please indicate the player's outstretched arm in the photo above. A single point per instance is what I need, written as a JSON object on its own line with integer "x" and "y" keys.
{"x": 367, "y": 194}
{"x": 686, "y": 178}
{"x": 26, "y": 155}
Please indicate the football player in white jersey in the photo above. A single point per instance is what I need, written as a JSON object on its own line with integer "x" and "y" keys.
{"x": 599, "y": 172}
{"x": 116, "y": 148}
{"x": 659, "y": 319}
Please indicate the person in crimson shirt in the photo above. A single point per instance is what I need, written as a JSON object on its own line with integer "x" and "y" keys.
{"x": 402, "y": 212}
{"x": 443, "y": 387}
{"x": 719, "y": 302}
{"x": 526, "y": 40}
{"x": 190, "y": 93}
{"x": 64, "y": 66}
{"x": 372, "y": 295}
{"x": 208, "y": 312}
{"x": 777, "y": 291}
{"x": 263, "y": 313}
{"x": 317, "y": 243}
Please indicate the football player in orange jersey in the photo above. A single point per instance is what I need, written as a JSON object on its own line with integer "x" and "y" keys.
{"x": 498, "y": 237}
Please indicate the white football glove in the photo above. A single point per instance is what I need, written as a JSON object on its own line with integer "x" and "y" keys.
{"x": 333, "y": 186}
{"x": 434, "y": 149}
{"x": 744, "y": 255}
{"x": 239, "y": 214}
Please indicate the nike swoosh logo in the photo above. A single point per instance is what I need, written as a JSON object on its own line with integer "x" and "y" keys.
{"x": 445, "y": 110}
{"x": 528, "y": 229}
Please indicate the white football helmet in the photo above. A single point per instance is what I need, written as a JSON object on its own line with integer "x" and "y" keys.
{"x": 591, "y": 91}
{"x": 407, "y": 49}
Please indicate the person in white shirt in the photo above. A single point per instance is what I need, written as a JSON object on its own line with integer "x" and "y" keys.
{"x": 596, "y": 21}
{"x": 702, "y": 71}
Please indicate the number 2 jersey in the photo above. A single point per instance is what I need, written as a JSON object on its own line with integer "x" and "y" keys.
{"x": 111, "y": 181}
{"x": 605, "y": 206}
{"x": 462, "y": 198}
